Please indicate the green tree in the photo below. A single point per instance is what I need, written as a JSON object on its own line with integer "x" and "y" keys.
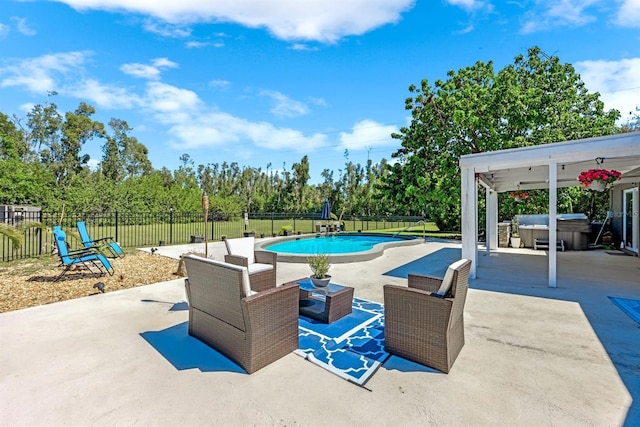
{"x": 77, "y": 129}
{"x": 12, "y": 141}
{"x": 536, "y": 100}
{"x": 123, "y": 155}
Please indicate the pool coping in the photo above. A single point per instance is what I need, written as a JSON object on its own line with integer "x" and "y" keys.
{"x": 375, "y": 252}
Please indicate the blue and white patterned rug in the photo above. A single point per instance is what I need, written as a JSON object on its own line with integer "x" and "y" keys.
{"x": 629, "y": 306}
{"x": 351, "y": 347}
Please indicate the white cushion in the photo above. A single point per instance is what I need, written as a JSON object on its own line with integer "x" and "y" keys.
{"x": 259, "y": 268}
{"x": 448, "y": 277}
{"x": 243, "y": 246}
{"x": 246, "y": 284}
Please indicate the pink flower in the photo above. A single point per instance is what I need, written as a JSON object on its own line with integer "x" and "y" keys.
{"x": 604, "y": 175}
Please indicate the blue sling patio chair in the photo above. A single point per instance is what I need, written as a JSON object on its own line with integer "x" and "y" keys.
{"x": 87, "y": 257}
{"x": 106, "y": 242}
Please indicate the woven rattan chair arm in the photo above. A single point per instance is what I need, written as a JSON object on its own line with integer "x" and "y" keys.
{"x": 266, "y": 257}
{"x": 424, "y": 282}
{"x": 394, "y": 294}
{"x": 237, "y": 260}
{"x": 275, "y": 306}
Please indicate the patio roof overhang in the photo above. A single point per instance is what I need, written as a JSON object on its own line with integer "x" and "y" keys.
{"x": 547, "y": 166}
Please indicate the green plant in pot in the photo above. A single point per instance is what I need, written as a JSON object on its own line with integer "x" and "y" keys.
{"x": 319, "y": 268}
{"x": 286, "y": 230}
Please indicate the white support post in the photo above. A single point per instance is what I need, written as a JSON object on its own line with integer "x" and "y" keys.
{"x": 492, "y": 220}
{"x": 469, "y": 208}
{"x": 553, "y": 223}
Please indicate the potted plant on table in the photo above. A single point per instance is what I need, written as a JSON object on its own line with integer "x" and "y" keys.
{"x": 319, "y": 265}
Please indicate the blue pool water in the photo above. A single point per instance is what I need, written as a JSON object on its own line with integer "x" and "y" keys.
{"x": 332, "y": 244}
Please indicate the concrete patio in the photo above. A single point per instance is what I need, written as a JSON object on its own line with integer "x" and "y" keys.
{"x": 534, "y": 356}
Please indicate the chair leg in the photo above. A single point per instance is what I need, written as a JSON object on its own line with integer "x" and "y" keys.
{"x": 66, "y": 268}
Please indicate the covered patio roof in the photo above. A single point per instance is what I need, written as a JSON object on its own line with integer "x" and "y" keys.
{"x": 548, "y": 166}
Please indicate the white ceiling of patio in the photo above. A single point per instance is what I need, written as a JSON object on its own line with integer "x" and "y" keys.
{"x": 527, "y": 168}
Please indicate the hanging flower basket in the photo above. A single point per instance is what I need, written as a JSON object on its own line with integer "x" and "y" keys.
{"x": 598, "y": 179}
{"x": 519, "y": 195}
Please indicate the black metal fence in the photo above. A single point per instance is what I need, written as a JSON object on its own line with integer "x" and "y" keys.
{"x": 132, "y": 229}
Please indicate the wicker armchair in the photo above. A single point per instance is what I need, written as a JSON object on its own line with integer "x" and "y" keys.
{"x": 261, "y": 264}
{"x": 424, "y": 322}
{"x": 253, "y": 329}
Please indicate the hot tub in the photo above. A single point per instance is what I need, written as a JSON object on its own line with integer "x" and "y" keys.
{"x": 574, "y": 229}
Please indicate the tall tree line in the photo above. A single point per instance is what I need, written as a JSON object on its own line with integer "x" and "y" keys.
{"x": 41, "y": 164}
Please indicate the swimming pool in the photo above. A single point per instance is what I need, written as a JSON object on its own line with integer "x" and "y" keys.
{"x": 341, "y": 247}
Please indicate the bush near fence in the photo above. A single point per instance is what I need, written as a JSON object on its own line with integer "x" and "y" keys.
{"x": 169, "y": 228}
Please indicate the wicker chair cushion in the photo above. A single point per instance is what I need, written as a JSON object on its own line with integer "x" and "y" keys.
{"x": 243, "y": 246}
{"x": 448, "y": 278}
{"x": 259, "y": 267}
{"x": 246, "y": 284}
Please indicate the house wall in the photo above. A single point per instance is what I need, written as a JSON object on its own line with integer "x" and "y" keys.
{"x": 618, "y": 212}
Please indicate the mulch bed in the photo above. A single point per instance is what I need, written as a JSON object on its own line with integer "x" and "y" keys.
{"x": 29, "y": 283}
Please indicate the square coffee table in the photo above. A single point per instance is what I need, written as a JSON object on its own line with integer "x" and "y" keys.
{"x": 324, "y": 304}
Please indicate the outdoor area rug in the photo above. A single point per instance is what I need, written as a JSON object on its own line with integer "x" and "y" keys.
{"x": 351, "y": 347}
{"x": 629, "y": 306}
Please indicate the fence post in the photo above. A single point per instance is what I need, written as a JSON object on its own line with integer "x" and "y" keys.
{"x": 170, "y": 225}
{"x": 272, "y": 219}
{"x": 117, "y": 227}
{"x": 41, "y": 232}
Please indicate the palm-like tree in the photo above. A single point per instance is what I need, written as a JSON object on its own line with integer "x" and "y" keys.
{"x": 15, "y": 233}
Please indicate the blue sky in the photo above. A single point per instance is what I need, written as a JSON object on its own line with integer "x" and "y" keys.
{"x": 265, "y": 82}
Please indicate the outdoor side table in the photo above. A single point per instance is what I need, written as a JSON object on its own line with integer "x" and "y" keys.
{"x": 324, "y": 304}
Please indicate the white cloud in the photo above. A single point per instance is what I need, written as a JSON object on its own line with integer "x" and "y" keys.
{"x": 199, "y": 45}
{"x": 468, "y": 4}
{"x": 4, "y": 30}
{"x": 561, "y": 13}
{"x": 39, "y": 75}
{"x": 151, "y": 72}
{"x": 301, "y": 46}
{"x": 165, "y": 29}
{"x": 105, "y": 96}
{"x": 617, "y": 81}
{"x": 171, "y": 104}
{"x": 27, "y": 107}
{"x": 285, "y": 106}
{"x": 219, "y": 129}
{"x": 366, "y": 134}
{"x": 23, "y": 27}
{"x": 318, "y": 101}
{"x": 629, "y": 14}
{"x": 93, "y": 164}
{"x": 321, "y": 20}
{"x": 220, "y": 84}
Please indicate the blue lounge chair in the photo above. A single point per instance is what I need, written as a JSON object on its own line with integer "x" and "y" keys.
{"x": 87, "y": 257}
{"x": 107, "y": 242}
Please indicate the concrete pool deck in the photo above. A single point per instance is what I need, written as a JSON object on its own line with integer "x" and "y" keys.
{"x": 534, "y": 356}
